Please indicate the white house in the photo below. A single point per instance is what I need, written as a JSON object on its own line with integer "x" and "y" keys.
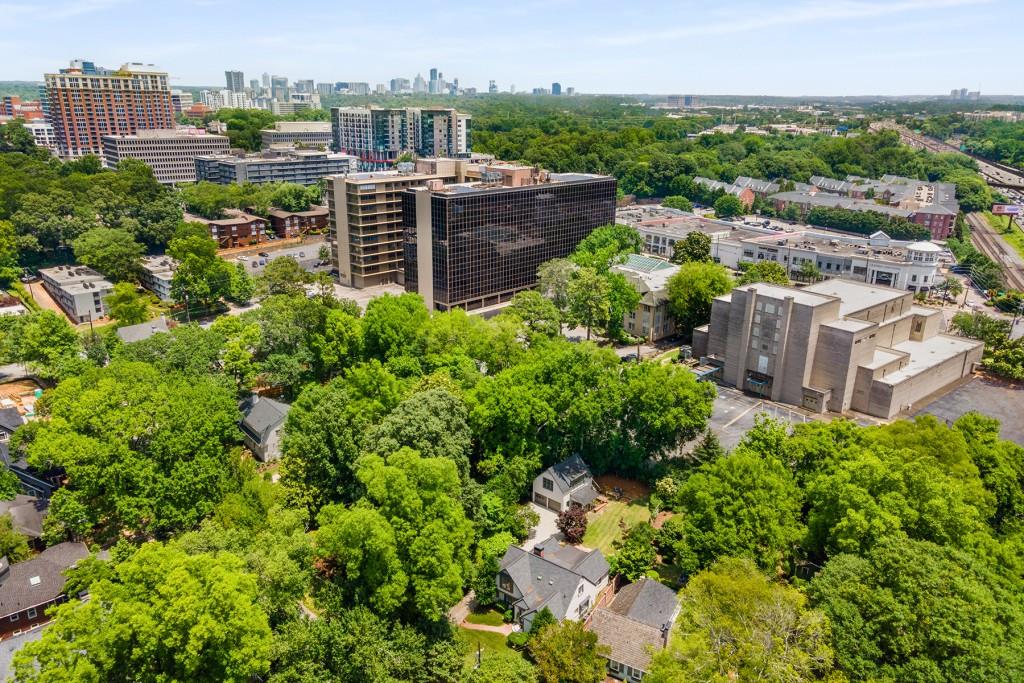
{"x": 564, "y": 579}
{"x": 262, "y": 423}
{"x": 567, "y": 482}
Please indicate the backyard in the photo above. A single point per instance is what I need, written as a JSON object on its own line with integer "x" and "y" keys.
{"x": 488, "y": 642}
{"x": 606, "y": 525}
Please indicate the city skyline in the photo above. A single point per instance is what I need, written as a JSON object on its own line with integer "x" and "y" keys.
{"x": 852, "y": 47}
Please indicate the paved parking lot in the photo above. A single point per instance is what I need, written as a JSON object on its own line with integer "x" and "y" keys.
{"x": 987, "y": 396}
{"x": 734, "y": 413}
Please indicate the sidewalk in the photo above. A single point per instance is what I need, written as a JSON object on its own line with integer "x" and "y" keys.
{"x": 504, "y": 629}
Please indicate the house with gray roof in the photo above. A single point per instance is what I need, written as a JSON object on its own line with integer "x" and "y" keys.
{"x": 562, "y": 578}
{"x": 568, "y": 482}
{"x": 27, "y": 513}
{"x": 28, "y": 588}
{"x": 41, "y": 484}
{"x": 634, "y": 626}
{"x": 262, "y": 426}
{"x": 10, "y": 420}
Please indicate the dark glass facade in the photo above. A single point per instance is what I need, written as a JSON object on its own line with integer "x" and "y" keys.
{"x": 486, "y": 244}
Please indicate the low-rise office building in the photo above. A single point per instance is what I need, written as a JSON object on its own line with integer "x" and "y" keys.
{"x": 661, "y": 227}
{"x": 475, "y": 245}
{"x": 876, "y": 260}
{"x": 652, "y": 319}
{"x": 170, "y": 153}
{"x": 304, "y": 133}
{"x": 79, "y": 290}
{"x": 837, "y": 345}
{"x": 297, "y": 223}
{"x": 301, "y": 166}
{"x": 156, "y": 274}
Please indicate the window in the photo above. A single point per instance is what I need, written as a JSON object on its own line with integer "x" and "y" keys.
{"x": 505, "y": 582}
{"x": 15, "y": 617}
{"x": 548, "y": 484}
{"x": 31, "y": 614}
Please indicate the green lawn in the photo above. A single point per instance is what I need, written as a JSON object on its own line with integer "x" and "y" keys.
{"x": 604, "y": 529}
{"x": 1013, "y": 235}
{"x": 668, "y": 356}
{"x": 491, "y": 617}
{"x": 488, "y": 641}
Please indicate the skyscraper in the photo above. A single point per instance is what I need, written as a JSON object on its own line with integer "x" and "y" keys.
{"x": 419, "y": 85}
{"x": 399, "y": 85}
{"x": 279, "y": 88}
{"x": 266, "y": 80}
{"x": 84, "y": 106}
{"x": 556, "y": 88}
{"x": 235, "y": 80}
{"x": 492, "y": 87}
{"x": 433, "y": 74}
{"x": 254, "y": 85}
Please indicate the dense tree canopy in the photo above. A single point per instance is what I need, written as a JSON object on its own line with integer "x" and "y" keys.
{"x": 159, "y": 616}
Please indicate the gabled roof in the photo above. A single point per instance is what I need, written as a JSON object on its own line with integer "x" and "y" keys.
{"x": 551, "y": 580}
{"x": 647, "y": 601}
{"x": 10, "y": 419}
{"x": 26, "y": 513}
{"x": 568, "y": 471}
{"x": 631, "y": 642}
{"x": 262, "y": 416}
{"x": 39, "y": 580}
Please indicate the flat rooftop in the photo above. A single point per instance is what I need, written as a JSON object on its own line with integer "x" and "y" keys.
{"x": 855, "y": 296}
{"x": 803, "y": 296}
{"x": 926, "y": 354}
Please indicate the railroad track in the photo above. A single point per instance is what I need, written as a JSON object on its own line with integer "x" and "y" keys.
{"x": 987, "y": 243}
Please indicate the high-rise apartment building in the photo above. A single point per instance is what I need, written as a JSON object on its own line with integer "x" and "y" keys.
{"x": 379, "y": 136}
{"x": 170, "y": 153}
{"x": 365, "y": 231}
{"x": 85, "y": 103}
{"x": 235, "y": 80}
{"x": 181, "y": 101}
{"x": 475, "y": 245}
{"x": 279, "y": 88}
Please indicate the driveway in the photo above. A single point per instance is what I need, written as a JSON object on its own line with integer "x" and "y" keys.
{"x": 544, "y": 529}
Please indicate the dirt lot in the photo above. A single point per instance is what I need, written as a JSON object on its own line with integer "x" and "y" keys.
{"x": 632, "y": 489}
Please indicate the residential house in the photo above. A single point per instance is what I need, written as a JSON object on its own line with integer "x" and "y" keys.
{"x": 10, "y": 420}
{"x": 564, "y": 579}
{"x": 262, "y": 424}
{"x": 41, "y": 484}
{"x": 568, "y": 482}
{"x": 652, "y": 319}
{"x": 634, "y": 626}
{"x": 27, "y": 513}
{"x": 28, "y": 588}
{"x": 744, "y": 194}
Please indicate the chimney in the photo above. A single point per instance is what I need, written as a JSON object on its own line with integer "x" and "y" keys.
{"x": 538, "y": 550}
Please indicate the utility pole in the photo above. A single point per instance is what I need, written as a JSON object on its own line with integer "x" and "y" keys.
{"x": 188, "y": 316}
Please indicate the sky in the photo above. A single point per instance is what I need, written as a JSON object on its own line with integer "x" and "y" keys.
{"x": 742, "y": 47}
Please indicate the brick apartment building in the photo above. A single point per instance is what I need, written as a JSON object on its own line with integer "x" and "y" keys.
{"x": 87, "y": 102}
{"x": 297, "y": 223}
